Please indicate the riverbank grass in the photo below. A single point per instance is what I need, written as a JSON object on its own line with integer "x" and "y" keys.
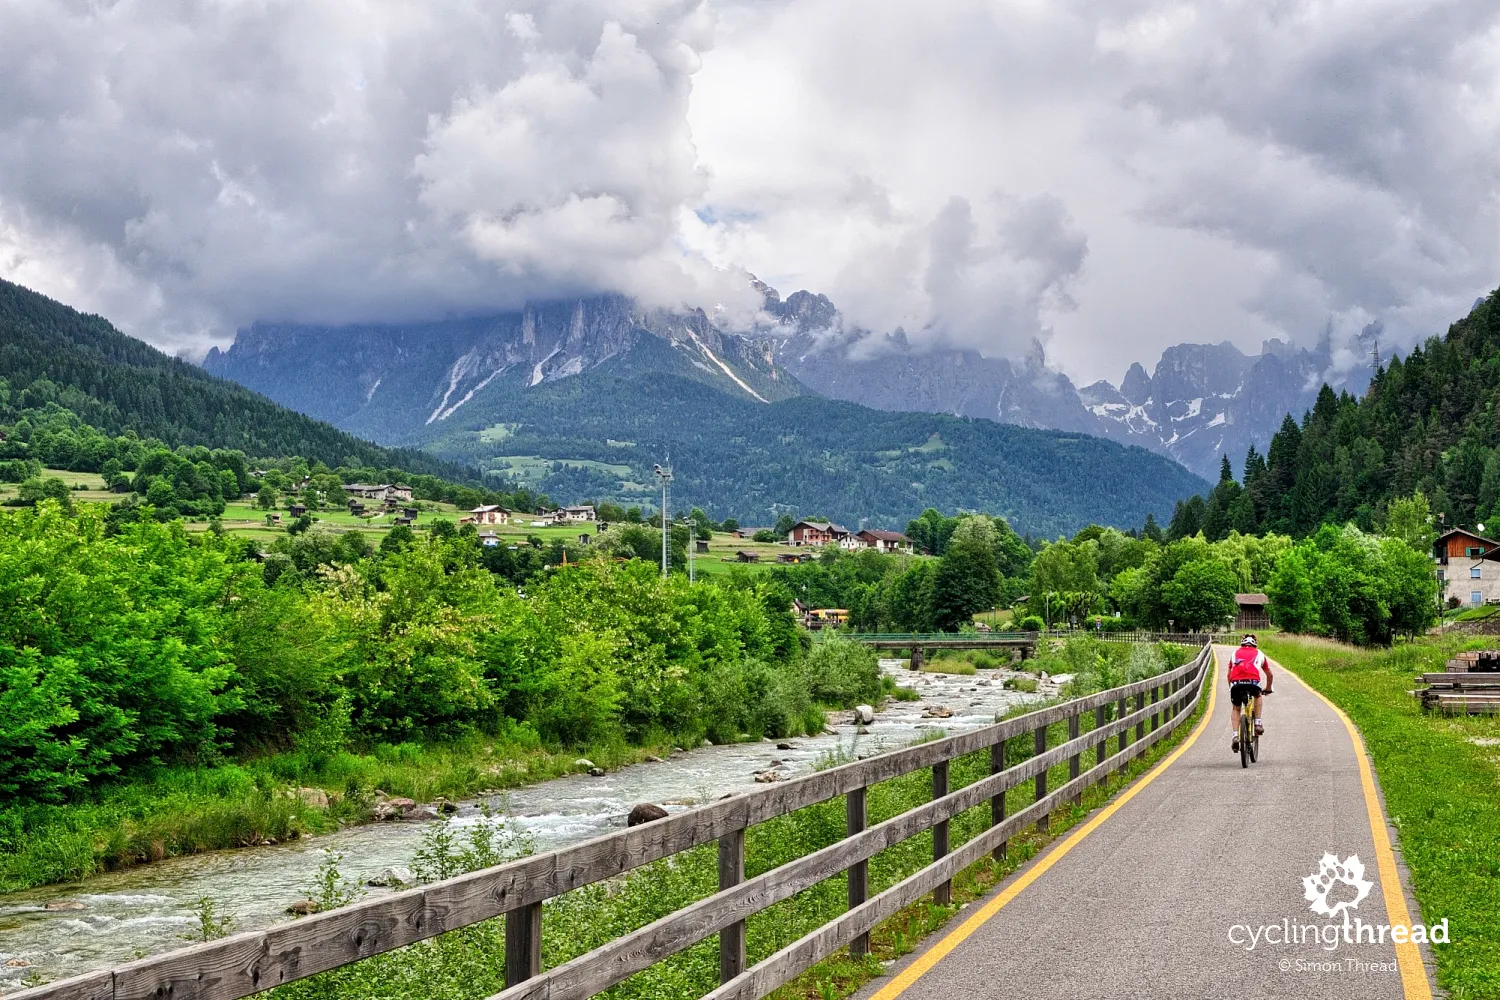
{"x": 1441, "y": 778}
{"x": 181, "y": 810}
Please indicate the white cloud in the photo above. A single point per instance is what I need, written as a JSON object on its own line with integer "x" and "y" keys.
{"x": 1108, "y": 178}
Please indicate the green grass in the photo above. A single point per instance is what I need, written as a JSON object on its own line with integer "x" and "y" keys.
{"x": 1442, "y": 791}
{"x": 467, "y": 963}
{"x": 948, "y": 665}
{"x": 185, "y": 810}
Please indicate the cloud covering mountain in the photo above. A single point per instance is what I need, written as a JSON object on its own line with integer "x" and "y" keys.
{"x": 1102, "y": 179}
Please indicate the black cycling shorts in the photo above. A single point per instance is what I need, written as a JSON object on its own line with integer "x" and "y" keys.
{"x": 1241, "y": 693}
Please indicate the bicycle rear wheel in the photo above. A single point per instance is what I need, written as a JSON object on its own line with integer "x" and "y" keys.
{"x": 1245, "y": 757}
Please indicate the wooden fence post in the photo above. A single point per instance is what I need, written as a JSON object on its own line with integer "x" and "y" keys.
{"x": 859, "y": 873}
{"x": 943, "y": 894}
{"x": 1155, "y": 716}
{"x": 1125, "y": 732}
{"x": 731, "y": 873}
{"x": 1044, "y": 823}
{"x": 1073, "y": 761}
{"x": 1101, "y": 716}
{"x": 997, "y": 801}
{"x": 1140, "y": 727}
{"x": 523, "y": 944}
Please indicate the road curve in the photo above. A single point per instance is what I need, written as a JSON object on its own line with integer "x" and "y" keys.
{"x": 1146, "y": 903}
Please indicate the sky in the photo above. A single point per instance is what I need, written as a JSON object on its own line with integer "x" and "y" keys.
{"x": 1104, "y": 177}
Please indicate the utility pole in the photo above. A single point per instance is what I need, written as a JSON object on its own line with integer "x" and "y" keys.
{"x": 1375, "y": 355}
{"x": 665, "y": 475}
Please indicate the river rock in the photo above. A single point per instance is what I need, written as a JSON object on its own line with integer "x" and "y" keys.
{"x": 393, "y": 876}
{"x": 653, "y": 759}
{"x": 864, "y": 714}
{"x": 785, "y": 746}
{"x": 17, "y": 963}
{"x": 596, "y": 772}
{"x": 303, "y": 907}
{"x": 766, "y": 777}
{"x": 646, "y": 812}
{"x": 937, "y": 712}
{"x": 66, "y": 904}
{"x": 315, "y": 797}
{"x": 583, "y": 764}
{"x": 445, "y": 807}
{"x": 423, "y": 811}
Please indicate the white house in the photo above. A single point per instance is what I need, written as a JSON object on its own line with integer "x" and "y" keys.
{"x": 574, "y": 515}
{"x": 491, "y": 514}
{"x": 380, "y": 493}
{"x": 885, "y": 541}
{"x": 1467, "y": 567}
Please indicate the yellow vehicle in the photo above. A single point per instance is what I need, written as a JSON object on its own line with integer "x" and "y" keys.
{"x": 826, "y": 617}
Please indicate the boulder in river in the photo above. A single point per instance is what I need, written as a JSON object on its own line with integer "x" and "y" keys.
{"x": 393, "y": 876}
{"x": 596, "y": 772}
{"x": 445, "y": 807}
{"x": 864, "y": 714}
{"x": 423, "y": 811}
{"x": 17, "y": 963}
{"x": 653, "y": 759}
{"x": 303, "y": 907}
{"x": 766, "y": 777}
{"x": 583, "y": 764}
{"x": 66, "y": 904}
{"x": 646, "y": 812}
{"x": 785, "y": 746}
{"x": 937, "y": 712}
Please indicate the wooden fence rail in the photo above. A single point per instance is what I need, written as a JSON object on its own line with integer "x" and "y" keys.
{"x": 248, "y": 963}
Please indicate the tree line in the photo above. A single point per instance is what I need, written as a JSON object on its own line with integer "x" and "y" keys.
{"x": 120, "y": 651}
{"x": 1429, "y": 424}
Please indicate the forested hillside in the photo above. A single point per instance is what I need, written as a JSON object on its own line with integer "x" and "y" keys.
{"x": 1430, "y": 423}
{"x": 50, "y": 353}
{"x": 739, "y": 458}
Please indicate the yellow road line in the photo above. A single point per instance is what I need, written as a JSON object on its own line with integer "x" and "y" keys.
{"x": 1408, "y": 955}
{"x": 959, "y": 934}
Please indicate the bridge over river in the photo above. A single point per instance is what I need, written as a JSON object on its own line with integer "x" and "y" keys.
{"x": 1188, "y": 883}
{"x": 918, "y": 643}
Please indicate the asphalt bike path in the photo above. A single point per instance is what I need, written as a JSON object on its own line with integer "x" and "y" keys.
{"x": 1189, "y": 887}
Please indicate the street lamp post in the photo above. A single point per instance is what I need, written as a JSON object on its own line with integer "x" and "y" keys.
{"x": 665, "y": 475}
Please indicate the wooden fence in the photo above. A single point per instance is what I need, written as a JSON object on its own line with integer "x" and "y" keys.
{"x": 1136, "y": 716}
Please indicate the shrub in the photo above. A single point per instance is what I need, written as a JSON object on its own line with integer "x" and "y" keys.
{"x": 842, "y": 672}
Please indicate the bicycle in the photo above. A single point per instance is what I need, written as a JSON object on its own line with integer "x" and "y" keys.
{"x": 1249, "y": 738}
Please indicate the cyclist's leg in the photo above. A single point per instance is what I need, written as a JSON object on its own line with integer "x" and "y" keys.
{"x": 1260, "y": 708}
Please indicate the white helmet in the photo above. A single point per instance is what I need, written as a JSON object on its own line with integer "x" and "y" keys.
{"x": 1249, "y": 640}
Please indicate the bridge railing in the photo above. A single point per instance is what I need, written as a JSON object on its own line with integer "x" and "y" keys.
{"x": 1130, "y": 718}
{"x": 940, "y": 638}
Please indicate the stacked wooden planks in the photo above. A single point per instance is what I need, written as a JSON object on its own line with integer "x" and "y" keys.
{"x": 1470, "y": 685}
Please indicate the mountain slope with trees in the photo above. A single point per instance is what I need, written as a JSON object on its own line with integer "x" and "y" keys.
{"x": 1429, "y": 424}
{"x": 50, "y": 353}
{"x": 754, "y": 461}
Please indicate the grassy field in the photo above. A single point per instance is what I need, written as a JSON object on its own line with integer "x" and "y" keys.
{"x": 92, "y": 483}
{"x": 1441, "y": 779}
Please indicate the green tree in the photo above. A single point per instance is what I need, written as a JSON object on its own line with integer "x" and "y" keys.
{"x": 966, "y": 581}
{"x": 1200, "y": 595}
{"x": 1409, "y": 519}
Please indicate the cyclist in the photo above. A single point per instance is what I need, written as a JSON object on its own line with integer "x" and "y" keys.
{"x": 1249, "y": 678}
